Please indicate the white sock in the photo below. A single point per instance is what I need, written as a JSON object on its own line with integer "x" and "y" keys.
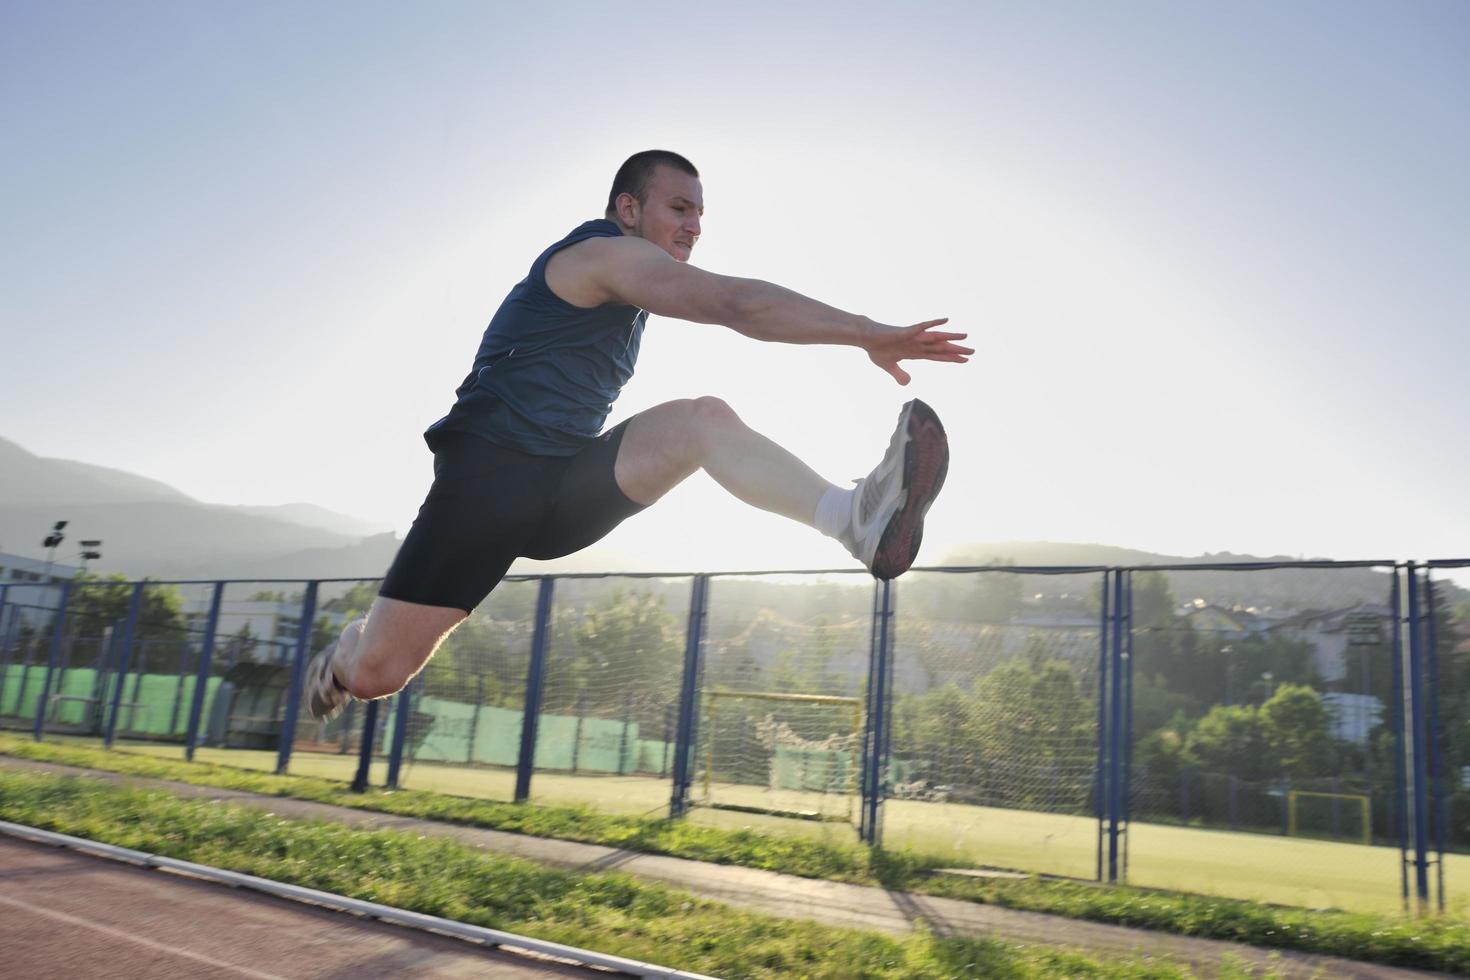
{"x": 834, "y": 513}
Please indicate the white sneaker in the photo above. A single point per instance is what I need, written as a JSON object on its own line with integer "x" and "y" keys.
{"x": 325, "y": 695}
{"x": 889, "y": 504}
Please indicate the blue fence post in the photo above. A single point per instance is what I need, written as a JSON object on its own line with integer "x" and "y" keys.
{"x": 1401, "y": 789}
{"x": 1126, "y": 593}
{"x": 365, "y": 746}
{"x": 1437, "y": 776}
{"x": 402, "y": 713}
{"x": 1416, "y": 741}
{"x": 876, "y": 738}
{"x": 689, "y": 696}
{"x": 1101, "y": 781}
{"x": 885, "y": 712}
{"x": 535, "y": 681}
{"x": 298, "y": 675}
{"x": 870, "y": 700}
{"x": 201, "y": 676}
{"x": 53, "y": 657}
{"x": 1115, "y": 733}
{"x": 4, "y": 644}
{"x": 124, "y": 662}
{"x": 865, "y": 748}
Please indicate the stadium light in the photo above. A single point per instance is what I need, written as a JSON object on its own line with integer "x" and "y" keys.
{"x": 52, "y": 542}
{"x": 89, "y": 553}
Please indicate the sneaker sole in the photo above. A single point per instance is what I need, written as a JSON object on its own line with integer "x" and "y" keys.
{"x": 925, "y": 465}
{"x": 320, "y": 705}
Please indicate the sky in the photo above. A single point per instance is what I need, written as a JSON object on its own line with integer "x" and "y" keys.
{"x": 1212, "y": 256}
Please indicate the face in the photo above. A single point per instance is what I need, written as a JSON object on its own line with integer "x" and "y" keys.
{"x": 670, "y": 218}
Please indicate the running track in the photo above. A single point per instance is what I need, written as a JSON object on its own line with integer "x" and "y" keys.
{"x": 68, "y": 915}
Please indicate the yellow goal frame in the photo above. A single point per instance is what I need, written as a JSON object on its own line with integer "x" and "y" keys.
{"x": 710, "y": 698}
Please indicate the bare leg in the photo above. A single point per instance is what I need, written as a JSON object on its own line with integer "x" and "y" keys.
{"x": 667, "y": 443}
{"x": 377, "y": 655}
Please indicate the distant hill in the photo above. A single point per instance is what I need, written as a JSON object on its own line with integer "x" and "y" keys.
{"x": 310, "y": 515}
{"x": 1293, "y": 588}
{"x": 151, "y": 529}
{"x": 28, "y": 479}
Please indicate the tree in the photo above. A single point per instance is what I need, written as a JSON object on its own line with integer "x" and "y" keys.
{"x": 1232, "y": 739}
{"x": 1036, "y": 732}
{"x": 1287, "y": 736}
{"x": 937, "y": 729}
{"x": 356, "y": 601}
{"x": 97, "y": 603}
{"x": 475, "y": 662}
{"x": 625, "y": 647}
{"x": 1297, "y": 728}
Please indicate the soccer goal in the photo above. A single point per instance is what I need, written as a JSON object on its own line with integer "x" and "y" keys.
{"x": 788, "y": 755}
{"x": 1332, "y": 815}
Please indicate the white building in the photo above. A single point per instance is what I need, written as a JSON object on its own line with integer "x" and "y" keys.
{"x": 1333, "y": 634}
{"x": 1351, "y": 717}
{"x": 30, "y": 590}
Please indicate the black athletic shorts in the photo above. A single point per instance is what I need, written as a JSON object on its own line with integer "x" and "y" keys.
{"x": 490, "y": 505}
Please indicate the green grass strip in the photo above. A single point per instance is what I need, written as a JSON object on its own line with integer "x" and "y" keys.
{"x": 1437, "y": 943}
{"x": 610, "y": 912}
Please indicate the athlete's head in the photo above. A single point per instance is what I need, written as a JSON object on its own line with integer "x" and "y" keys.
{"x": 657, "y": 196}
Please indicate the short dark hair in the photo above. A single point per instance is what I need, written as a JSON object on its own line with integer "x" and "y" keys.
{"x": 635, "y": 173}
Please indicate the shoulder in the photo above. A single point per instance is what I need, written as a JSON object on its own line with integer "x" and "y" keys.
{"x": 581, "y": 272}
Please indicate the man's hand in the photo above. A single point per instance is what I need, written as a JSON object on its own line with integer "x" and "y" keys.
{"x": 886, "y": 346}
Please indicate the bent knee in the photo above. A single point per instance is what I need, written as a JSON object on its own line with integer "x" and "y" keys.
{"x": 711, "y": 418}
{"x": 709, "y": 410}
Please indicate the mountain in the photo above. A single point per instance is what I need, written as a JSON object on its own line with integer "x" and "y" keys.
{"x": 310, "y": 515}
{"x": 154, "y": 530}
{"x": 1293, "y": 588}
{"x": 149, "y": 528}
{"x": 27, "y": 479}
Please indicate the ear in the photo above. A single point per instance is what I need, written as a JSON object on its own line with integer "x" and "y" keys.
{"x": 628, "y": 208}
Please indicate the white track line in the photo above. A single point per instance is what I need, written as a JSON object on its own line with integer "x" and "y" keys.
{"x": 74, "y": 920}
{"x": 296, "y": 893}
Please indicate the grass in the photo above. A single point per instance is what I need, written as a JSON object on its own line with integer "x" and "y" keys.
{"x": 1249, "y": 866}
{"x": 609, "y": 912}
{"x": 1440, "y": 943}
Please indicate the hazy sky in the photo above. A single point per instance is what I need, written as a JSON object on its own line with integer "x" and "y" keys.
{"x": 1214, "y": 257}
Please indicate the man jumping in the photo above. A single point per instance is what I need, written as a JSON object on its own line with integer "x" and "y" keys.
{"x": 520, "y": 469}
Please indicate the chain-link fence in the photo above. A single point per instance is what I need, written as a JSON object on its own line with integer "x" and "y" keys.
{"x": 27, "y": 625}
{"x": 464, "y": 730}
{"x": 1292, "y": 732}
{"x": 779, "y": 709}
{"x": 995, "y": 718}
{"x": 1263, "y": 730}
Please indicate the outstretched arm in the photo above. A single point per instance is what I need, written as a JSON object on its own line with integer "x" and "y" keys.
{"x": 636, "y": 272}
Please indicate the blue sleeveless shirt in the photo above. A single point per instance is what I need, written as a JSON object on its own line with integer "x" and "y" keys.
{"x": 547, "y": 372}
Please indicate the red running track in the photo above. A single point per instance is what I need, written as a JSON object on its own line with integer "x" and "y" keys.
{"x": 64, "y": 914}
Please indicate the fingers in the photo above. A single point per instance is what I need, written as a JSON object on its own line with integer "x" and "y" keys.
{"x": 899, "y": 374}
{"x": 927, "y": 344}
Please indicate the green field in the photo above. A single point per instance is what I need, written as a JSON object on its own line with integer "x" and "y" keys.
{"x": 1258, "y": 867}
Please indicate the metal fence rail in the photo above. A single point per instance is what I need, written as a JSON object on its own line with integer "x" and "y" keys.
{"x": 1116, "y": 723}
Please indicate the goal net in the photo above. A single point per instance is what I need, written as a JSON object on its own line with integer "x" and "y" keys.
{"x": 789, "y": 755}
{"x": 1335, "y": 816}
